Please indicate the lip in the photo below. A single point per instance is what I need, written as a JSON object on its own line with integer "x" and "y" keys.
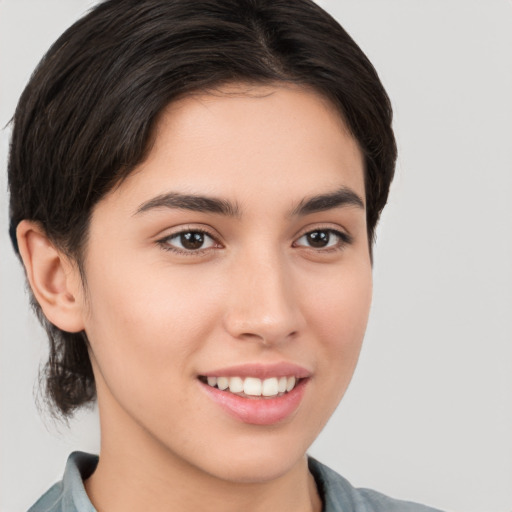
{"x": 262, "y": 410}
{"x": 258, "y": 411}
{"x": 261, "y": 371}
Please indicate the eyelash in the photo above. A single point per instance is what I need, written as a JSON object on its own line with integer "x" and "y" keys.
{"x": 344, "y": 240}
{"x": 164, "y": 242}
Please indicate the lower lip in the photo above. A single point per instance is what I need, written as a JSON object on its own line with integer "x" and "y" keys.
{"x": 258, "y": 411}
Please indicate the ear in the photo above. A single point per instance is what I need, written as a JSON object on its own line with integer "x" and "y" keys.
{"x": 54, "y": 279}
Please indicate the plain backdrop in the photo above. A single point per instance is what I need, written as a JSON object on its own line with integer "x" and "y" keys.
{"x": 428, "y": 416}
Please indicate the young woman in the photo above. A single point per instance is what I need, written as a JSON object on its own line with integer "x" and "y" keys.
{"x": 194, "y": 192}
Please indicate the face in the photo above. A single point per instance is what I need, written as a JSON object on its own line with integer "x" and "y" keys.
{"x": 235, "y": 255}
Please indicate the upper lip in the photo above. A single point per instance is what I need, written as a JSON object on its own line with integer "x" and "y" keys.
{"x": 261, "y": 371}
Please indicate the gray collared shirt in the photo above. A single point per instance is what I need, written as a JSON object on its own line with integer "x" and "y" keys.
{"x": 337, "y": 494}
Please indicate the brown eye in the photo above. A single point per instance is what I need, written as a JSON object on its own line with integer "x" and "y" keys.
{"x": 192, "y": 240}
{"x": 323, "y": 239}
{"x": 189, "y": 241}
{"x": 318, "y": 238}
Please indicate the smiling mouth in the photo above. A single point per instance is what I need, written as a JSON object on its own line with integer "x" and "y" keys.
{"x": 253, "y": 387}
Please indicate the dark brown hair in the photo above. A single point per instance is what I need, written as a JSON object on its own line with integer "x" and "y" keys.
{"x": 84, "y": 120}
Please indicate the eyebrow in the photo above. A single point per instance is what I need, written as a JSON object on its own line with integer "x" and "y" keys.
{"x": 191, "y": 202}
{"x": 322, "y": 202}
{"x": 318, "y": 203}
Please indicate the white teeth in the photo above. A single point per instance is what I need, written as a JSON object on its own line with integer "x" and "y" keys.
{"x": 269, "y": 387}
{"x": 222, "y": 383}
{"x": 236, "y": 385}
{"x": 252, "y": 386}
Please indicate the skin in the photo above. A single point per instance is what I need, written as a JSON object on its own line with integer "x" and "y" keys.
{"x": 258, "y": 293}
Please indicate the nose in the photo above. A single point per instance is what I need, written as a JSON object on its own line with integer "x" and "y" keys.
{"x": 262, "y": 305}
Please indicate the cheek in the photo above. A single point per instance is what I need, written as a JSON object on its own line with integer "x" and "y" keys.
{"x": 338, "y": 314}
{"x": 340, "y": 303}
{"x": 139, "y": 328}
{"x": 143, "y": 323}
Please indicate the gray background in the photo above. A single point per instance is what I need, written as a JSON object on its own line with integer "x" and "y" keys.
{"x": 428, "y": 415}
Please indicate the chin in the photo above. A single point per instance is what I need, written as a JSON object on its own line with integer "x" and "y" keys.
{"x": 256, "y": 462}
{"x": 256, "y": 470}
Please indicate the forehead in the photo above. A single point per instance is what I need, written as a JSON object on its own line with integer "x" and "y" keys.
{"x": 249, "y": 140}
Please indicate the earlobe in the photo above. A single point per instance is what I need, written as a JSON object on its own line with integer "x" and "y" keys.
{"x": 54, "y": 280}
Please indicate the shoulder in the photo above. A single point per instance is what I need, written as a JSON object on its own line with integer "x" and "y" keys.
{"x": 69, "y": 494}
{"x": 50, "y": 501}
{"x": 339, "y": 495}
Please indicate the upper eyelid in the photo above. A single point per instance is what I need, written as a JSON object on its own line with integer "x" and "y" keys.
{"x": 331, "y": 230}
{"x": 165, "y": 244}
{"x": 214, "y": 234}
{"x": 164, "y": 241}
{"x": 345, "y": 237}
{"x": 323, "y": 227}
{"x": 172, "y": 232}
